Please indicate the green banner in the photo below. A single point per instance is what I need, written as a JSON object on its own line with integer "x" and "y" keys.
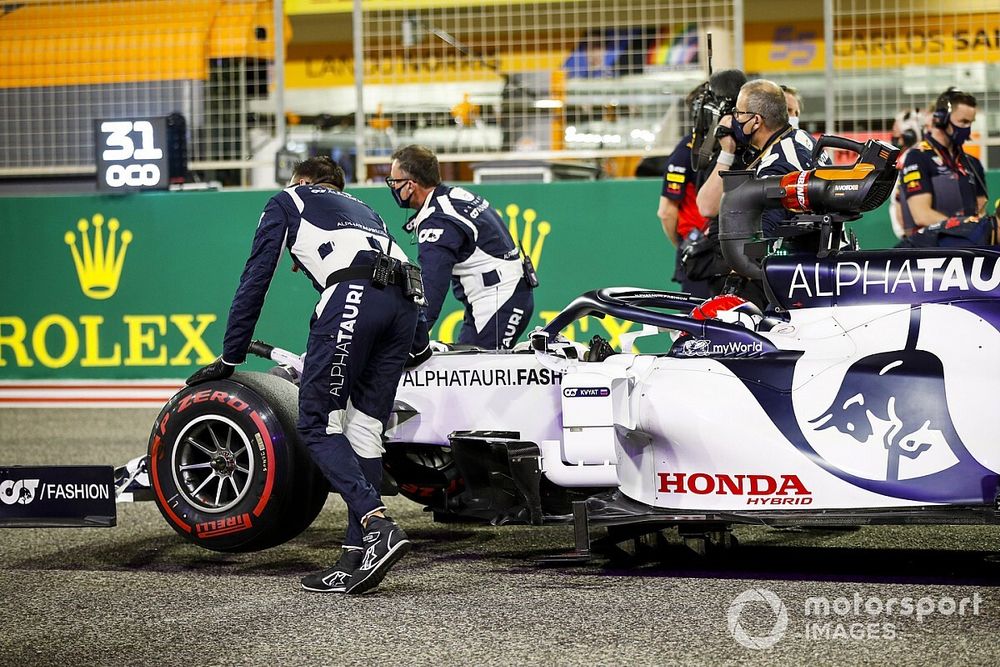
{"x": 139, "y": 286}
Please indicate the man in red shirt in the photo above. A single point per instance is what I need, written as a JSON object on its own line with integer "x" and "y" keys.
{"x": 678, "y": 212}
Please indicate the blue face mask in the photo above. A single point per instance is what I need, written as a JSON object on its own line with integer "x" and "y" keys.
{"x": 959, "y": 135}
{"x": 400, "y": 202}
{"x": 741, "y": 137}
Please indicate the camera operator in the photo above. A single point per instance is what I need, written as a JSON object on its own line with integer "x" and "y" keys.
{"x": 939, "y": 179}
{"x": 682, "y": 224}
{"x": 757, "y": 136}
{"x": 700, "y": 255}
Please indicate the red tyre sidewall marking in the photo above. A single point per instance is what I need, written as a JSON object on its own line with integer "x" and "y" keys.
{"x": 159, "y": 490}
{"x": 268, "y": 482}
{"x": 269, "y": 448}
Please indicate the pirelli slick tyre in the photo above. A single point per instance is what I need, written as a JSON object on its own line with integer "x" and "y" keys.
{"x": 227, "y": 468}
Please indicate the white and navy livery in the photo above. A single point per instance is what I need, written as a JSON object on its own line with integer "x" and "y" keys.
{"x": 856, "y": 403}
{"x": 462, "y": 240}
{"x": 856, "y": 399}
{"x": 359, "y": 336}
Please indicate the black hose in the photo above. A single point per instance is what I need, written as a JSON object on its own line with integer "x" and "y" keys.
{"x": 259, "y": 348}
{"x": 744, "y": 199}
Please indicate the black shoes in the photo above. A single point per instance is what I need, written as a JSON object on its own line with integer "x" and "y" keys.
{"x": 336, "y": 579}
{"x": 384, "y": 544}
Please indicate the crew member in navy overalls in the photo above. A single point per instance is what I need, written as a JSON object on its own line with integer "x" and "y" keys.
{"x": 939, "y": 179}
{"x": 360, "y": 336}
{"x": 462, "y": 239}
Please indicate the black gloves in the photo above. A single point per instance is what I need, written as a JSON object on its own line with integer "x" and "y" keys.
{"x": 217, "y": 370}
{"x": 599, "y": 350}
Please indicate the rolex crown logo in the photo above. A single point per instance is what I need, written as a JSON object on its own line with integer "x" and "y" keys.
{"x": 98, "y": 265}
{"x": 532, "y": 247}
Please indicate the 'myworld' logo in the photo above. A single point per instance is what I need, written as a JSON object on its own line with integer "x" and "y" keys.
{"x": 99, "y": 262}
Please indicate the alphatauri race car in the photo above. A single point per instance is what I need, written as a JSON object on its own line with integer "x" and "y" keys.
{"x": 860, "y": 395}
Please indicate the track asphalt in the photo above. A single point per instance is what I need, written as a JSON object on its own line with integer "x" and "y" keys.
{"x": 137, "y": 594}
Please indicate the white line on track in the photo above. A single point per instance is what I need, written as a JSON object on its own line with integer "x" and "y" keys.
{"x": 87, "y": 393}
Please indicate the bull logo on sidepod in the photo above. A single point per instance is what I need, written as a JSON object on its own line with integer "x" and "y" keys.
{"x": 895, "y": 404}
{"x": 904, "y": 389}
{"x": 887, "y": 430}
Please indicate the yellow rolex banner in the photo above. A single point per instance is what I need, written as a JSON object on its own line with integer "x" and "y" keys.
{"x": 117, "y": 287}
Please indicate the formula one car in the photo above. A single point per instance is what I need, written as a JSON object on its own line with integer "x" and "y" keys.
{"x": 860, "y": 395}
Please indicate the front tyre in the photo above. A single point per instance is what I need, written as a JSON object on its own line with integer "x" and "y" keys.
{"x": 227, "y": 469}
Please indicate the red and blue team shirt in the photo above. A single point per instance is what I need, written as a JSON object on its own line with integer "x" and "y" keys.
{"x": 923, "y": 162}
{"x": 929, "y": 160}
{"x": 679, "y": 186}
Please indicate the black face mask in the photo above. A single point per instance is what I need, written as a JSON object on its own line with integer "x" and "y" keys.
{"x": 741, "y": 136}
{"x": 400, "y": 202}
{"x": 959, "y": 135}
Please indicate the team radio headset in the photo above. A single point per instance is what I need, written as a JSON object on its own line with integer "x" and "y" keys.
{"x": 942, "y": 108}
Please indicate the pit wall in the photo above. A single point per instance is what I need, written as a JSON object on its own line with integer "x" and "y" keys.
{"x": 150, "y": 300}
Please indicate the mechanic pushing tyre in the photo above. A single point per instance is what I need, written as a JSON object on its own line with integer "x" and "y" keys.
{"x": 226, "y": 466}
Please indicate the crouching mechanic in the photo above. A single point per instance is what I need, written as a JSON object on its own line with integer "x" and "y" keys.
{"x": 462, "y": 239}
{"x": 360, "y": 335}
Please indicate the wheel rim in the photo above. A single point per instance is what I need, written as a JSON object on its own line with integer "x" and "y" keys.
{"x": 213, "y": 464}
